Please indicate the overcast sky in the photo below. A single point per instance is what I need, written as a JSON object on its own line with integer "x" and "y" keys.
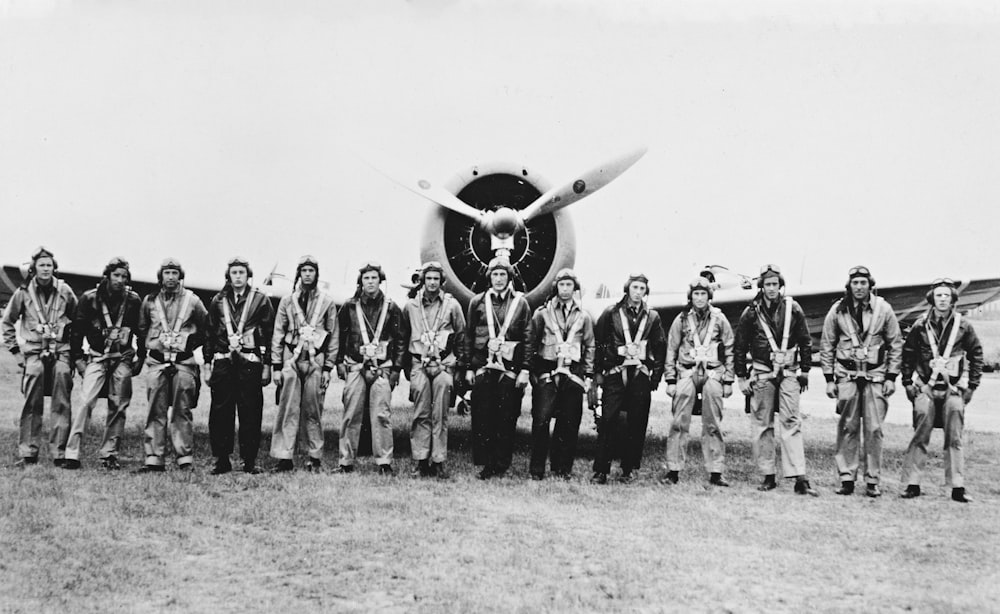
{"x": 812, "y": 134}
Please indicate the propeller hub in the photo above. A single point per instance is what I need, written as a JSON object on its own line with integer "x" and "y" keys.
{"x": 505, "y": 223}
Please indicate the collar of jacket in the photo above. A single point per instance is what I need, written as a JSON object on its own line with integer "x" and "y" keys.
{"x": 427, "y": 300}
{"x": 555, "y": 302}
{"x": 371, "y": 300}
{"x": 503, "y": 294}
{"x": 701, "y": 314}
{"x": 624, "y": 303}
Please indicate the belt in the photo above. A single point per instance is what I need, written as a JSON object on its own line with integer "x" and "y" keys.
{"x": 247, "y": 356}
{"x": 854, "y": 365}
{"x": 684, "y": 373}
{"x": 509, "y": 374}
{"x": 181, "y": 356}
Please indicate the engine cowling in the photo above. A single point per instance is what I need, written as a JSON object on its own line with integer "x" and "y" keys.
{"x": 464, "y": 248}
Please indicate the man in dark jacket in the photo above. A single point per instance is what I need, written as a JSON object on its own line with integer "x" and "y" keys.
{"x": 773, "y": 332}
{"x": 630, "y": 350}
{"x": 369, "y": 359}
{"x": 942, "y": 367}
{"x": 107, "y": 317}
{"x": 237, "y": 356}
{"x": 497, "y": 324}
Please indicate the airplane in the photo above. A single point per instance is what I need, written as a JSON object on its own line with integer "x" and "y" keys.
{"x": 507, "y": 209}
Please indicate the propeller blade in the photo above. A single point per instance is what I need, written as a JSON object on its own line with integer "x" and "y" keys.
{"x": 427, "y": 189}
{"x": 584, "y": 185}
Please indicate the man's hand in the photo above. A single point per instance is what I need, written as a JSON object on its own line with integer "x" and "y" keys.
{"x": 831, "y": 390}
{"x": 522, "y": 380}
{"x": 206, "y": 372}
{"x": 265, "y": 376}
{"x": 911, "y": 392}
{"x": 276, "y": 376}
{"x": 81, "y": 365}
{"x": 967, "y": 395}
{"x": 325, "y": 381}
{"x": 671, "y": 390}
{"x": 136, "y": 365}
{"x": 727, "y": 391}
{"x": 803, "y": 381}
{"x": 592, "y": 398}
{"x": 393, "y": 379}
{"x": 342, "y": 372}
{"x": 744, "y": 385}
{"x": 19, "y": 359}
{"x": 470, "y": 377}
{"x": 888, "y": 388}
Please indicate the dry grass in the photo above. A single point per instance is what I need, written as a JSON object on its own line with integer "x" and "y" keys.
{"x": 93, "y": 541}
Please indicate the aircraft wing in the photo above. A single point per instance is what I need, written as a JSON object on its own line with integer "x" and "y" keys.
{"x": 908, "y": 301}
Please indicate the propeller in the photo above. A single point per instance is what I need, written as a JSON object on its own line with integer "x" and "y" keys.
{"x": 584, "y": 185}
{"x": 427, "y": 189}
{"x": 269, "y": 278}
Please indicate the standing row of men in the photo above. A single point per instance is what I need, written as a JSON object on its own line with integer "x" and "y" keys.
{"x": 496, "y": 348}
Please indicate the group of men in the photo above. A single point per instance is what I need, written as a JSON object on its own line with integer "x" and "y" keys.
{"x": 495, "y": 348}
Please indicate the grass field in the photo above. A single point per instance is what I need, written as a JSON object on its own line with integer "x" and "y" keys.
{"x": 191, "y": 542}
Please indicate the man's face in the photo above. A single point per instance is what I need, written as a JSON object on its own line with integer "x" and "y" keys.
{"x": 44, "y": 268}
{"x": 308, "y": 275}
{"x": 370, "y": 281}
{"x": 861, "y": 288}
{"x": 432, "y": 281}
{"x": 699, "y": 298}
{"x": 238, "y": 277}
{"x": 117, "y": 279}
{"x": 499, "y": 280}
{"x": 565, "y": 289}
{"x": 636, "y": 292}
{"x": 171, "y": 279}
{"x": 772, "y": 288}
{"x": 942, "y": 298}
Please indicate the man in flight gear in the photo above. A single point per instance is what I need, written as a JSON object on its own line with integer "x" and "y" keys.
{"x": 942, "y": 367}
{"x": 699, "y": 360}
{"x": 433, "y": 327}
{"x": 773, "y": 331}
{"x": 630, "y": 350}
{"x": 107, "y": 317}
{"x": 237, "y": 365}
{"x": 497, "y": 371}
{"x": 369, "y": 359}
{"x": 172, "y": 321}
{"x": 45, "y": 306}
{"x": 861, "y": 354}
{"x": 303, "y": 348}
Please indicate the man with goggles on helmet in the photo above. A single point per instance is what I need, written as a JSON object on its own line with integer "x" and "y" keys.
{"x": 942, "y": 367}
{"x": 433, "y": 328}
{"x": 861, "y": 352}
{"x": 369, "y": 359}
{"x": 172, "y": 321}
{"x": 107, "y": 317}
{"x": 630, "y": 350}
{"x": 497, "y": 372}
{"x": 772, "y": 331}
{"x": 237, "y": 355}
{"x": 44, "y": 306}
{"x": 699, "y": 360}
{"x": 303, "y": 350}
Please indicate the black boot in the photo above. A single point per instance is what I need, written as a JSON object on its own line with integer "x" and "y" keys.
{"x": 769, "y": 483}
{"x": 672, "y": 477}
{"x": 222, "y": 465}
{"x": 716, "y": 480}
{"x": 422, "y": 469}
{"x": 958, "y": 494}
{"x": 846, "y": 488}
{"x": 912, "y": 492}
{"x": 802, "y": 487}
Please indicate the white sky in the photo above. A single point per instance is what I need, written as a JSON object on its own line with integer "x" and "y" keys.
{"x": 823, "y": 133}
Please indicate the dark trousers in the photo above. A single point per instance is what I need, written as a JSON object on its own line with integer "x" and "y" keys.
{"x": 624, "y": 420}
{"x": 564, "y": 402}
{"x": 235, "y": 388}
{"x": 496, "y": 405}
